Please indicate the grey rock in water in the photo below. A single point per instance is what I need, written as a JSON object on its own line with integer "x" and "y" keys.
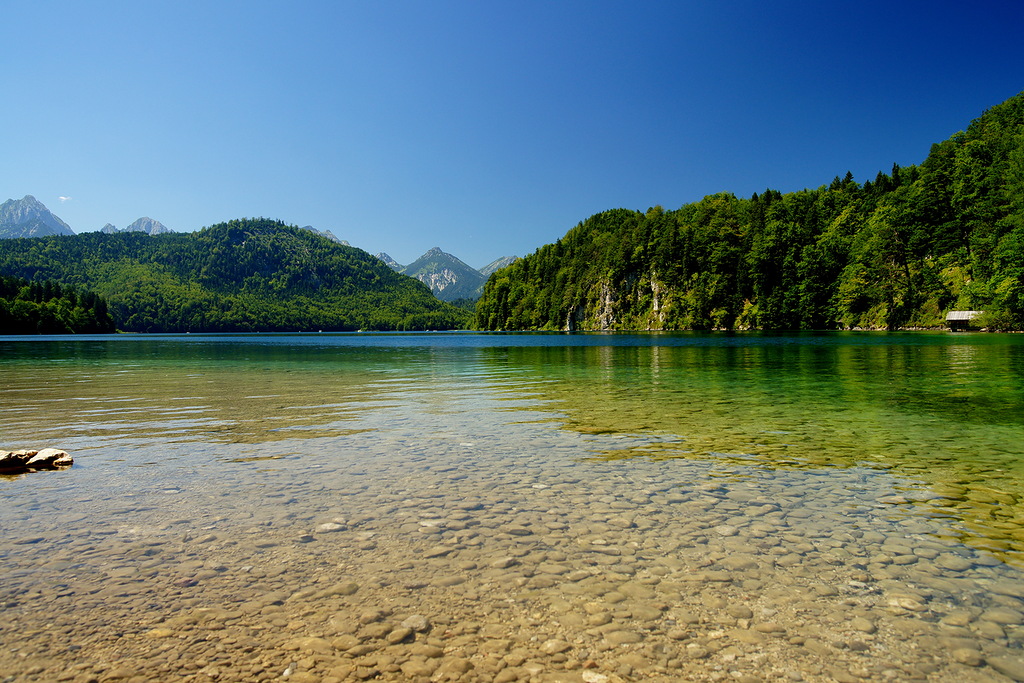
{"x": 1010, "y": 666}
{"x": 417, "y": 622}
{"x": 24, "y": 460}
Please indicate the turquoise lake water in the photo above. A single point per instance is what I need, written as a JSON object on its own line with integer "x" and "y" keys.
{"x": 946, "y": 410}
{"x": 915, "y": 435}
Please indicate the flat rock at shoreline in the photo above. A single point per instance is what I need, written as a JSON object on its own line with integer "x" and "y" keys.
{"x": 12, "y": 462}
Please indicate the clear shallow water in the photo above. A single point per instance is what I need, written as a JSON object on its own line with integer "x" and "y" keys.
{"x": 879, "y": 474}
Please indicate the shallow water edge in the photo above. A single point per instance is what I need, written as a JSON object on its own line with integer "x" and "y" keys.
{"x": 491, "y": 528}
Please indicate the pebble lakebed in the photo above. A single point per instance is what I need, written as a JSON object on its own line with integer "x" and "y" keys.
{"x": 480, "y": 561}
{"x": 313, "y": 519}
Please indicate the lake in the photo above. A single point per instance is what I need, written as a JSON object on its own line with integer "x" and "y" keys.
{"x": 506, "y": 507}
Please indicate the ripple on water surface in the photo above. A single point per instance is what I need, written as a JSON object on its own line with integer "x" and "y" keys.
{"x": 559, "y": 514}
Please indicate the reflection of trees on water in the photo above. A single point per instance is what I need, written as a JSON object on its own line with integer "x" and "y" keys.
{"x": 948, "y": 413}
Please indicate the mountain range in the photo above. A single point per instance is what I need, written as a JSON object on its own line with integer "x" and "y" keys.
{"x": 448, "y": 277}
{"x": 27, "y": 217}
{"x": 144, "y": 224}
{"x": 245, "y": 275}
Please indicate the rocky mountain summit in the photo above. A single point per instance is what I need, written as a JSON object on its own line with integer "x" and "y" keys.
{"x": 497, "y": 265}
{"x": 448, "y": 277}
{"x": 328, "y": 234}
{"x": 144, "y": 224}
{"x": 391, "y": 263}
{"x": 28, "y": 217}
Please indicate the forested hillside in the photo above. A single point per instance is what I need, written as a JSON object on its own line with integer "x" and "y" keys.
{"x": 244, "y": 275}
{"x": 47, "y": 308}
{"x": 896, "y": 251}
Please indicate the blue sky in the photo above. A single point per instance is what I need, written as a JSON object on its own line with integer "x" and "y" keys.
{"x": 485, "y": 128}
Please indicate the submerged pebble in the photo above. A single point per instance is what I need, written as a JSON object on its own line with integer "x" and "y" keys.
{"x": 424, "y": 543}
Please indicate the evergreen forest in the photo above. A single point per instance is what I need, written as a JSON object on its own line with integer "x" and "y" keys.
{"x": 47, "y": 308}
{"x": 245, "y": 275}
{"x": 898, "y": 251}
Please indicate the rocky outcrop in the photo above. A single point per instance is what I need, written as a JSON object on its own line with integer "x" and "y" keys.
{"x": 12, "y": 462}
{"x": 636, "y": 301}
{"x": 606, "y": 319}
{"x": 440, "y": 280}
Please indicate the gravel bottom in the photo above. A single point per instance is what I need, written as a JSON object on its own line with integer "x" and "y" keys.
{"x": 402, "y": 569}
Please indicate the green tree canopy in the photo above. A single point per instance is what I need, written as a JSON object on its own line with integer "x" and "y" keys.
{"x": 898, "y": 251}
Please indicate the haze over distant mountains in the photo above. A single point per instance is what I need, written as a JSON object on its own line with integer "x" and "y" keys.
{"x": 448, "y": 277}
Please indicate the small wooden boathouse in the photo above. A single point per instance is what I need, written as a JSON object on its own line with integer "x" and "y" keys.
{"x": 961, "y": 320}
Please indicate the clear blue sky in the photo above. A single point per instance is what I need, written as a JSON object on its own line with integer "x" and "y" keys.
{"x": 486, "y": 128}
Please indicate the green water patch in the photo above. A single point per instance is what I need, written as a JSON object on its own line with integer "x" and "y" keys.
{"x": 945, "y": 412}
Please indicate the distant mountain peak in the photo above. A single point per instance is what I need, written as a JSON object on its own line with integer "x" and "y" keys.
{"x": 144, "y": 224}
{"x": 391, "y": 263}
{"x": 28, "y": 217}
{"x": 148, "y": 226}
{"x": 439, "y": 254}
{"x": 497, "y": 265}
{"x": 447, "y": 276}
{"x": 328, "y": 234}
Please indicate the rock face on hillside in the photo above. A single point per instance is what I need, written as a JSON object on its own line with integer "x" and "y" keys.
{"x": 28, "y": 217}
